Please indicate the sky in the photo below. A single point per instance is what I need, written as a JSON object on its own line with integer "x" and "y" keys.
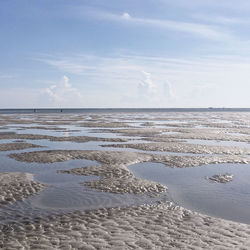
{"x": 124, "y": 53}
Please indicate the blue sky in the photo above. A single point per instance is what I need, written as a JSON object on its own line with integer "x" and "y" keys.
{"x": 116, "y": 53}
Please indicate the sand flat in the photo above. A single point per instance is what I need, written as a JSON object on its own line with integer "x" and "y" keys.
{"x": 184, "y": 148}
{"x": 161, "y": 225}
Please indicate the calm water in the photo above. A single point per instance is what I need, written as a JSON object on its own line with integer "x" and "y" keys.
{"x": 119, "y": 110}
{"x": 189, "y": 188}
{"x": 65, "y": 192}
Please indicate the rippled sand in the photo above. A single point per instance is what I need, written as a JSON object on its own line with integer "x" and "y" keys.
{"x": 184, "y": 148}
{"x": 128, "y": 158}
{"x": 116, "y": 179}
{"x": 161, "y": 225}
{"x": 17, "y": 186}
{"x": 17, "y": 146}
{"x": 7, "y": 136}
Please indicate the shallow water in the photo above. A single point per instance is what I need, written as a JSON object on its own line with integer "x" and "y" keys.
{"x": 64, "y": 193}
{"x": 189, "y": 188}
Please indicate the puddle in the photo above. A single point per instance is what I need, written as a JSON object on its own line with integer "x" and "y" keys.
{"x": 65, "y": 193}
{"x": 188, "y": 188}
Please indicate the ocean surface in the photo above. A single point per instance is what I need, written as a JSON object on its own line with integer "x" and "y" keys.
{"x": 118, "y": 110}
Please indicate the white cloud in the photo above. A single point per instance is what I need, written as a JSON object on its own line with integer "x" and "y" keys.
{"x": 221, "y": 80}
{"x": 154, "y": 94}
{"x": 63, "y": 94}
{"x": 169, "y": 91}
{"x": 125, "y": 15}
{"x": 147, "y": 86}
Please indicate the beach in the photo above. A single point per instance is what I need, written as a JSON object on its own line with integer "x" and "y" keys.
{"x": 125, "y": 180}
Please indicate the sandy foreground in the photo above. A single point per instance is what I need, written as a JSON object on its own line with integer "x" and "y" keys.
{"x": 17, "y": 186}
{"x": 161, "y": 225}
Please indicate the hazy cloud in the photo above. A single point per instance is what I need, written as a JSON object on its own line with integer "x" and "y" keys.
{"x": 126, "y": 16}
{"x": 225, "y": 20}
{"x": 169, "y": 90}
{"x": 156, "y": 81}
{"x": 63, "y": 94}
{"x": 201, "y": 30}
{"x": 65, "y": 65}
{"x": 146, "y": 86}
{"x": 155, "y": 93}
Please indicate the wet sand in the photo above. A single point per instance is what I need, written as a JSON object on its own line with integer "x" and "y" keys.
{"x": 17, "y": 146}
{"x": 17, "y": 186}
{"x": 221, "y": 178}
{"x": 117, "y": 179}
{"x": 184, "y": 148}
{"x": 13, "y": 135}
{"x": 161, "y": 225}
{"x": 125, "y": 158}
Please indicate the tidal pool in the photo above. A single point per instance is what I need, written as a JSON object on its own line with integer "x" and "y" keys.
{"x": 65, "y": 192}
{"x": 189, "y": 188}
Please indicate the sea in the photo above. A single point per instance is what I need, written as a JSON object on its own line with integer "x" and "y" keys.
{"x": 118, "y": 110}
